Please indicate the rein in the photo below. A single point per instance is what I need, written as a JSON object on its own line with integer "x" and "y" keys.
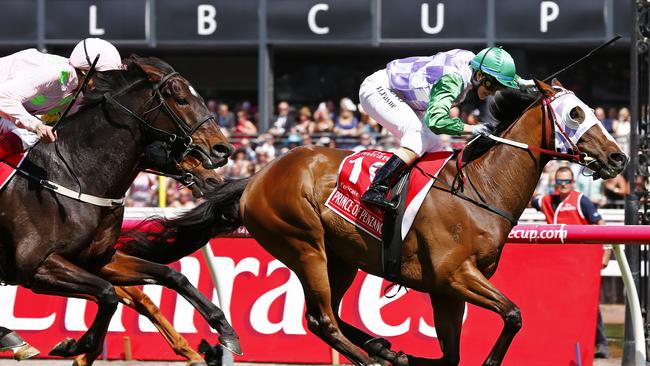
{"x": 549, "y": 123}
{"x": 184, "y": 142}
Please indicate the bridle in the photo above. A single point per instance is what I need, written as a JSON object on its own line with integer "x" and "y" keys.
{"x": 175, "y": 146}
{"x": 549, "y": 125}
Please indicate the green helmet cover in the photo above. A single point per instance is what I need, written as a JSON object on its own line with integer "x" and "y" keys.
{"x": 495, "y": 61}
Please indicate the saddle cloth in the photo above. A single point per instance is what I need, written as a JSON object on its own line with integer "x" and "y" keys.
{"x": 12, "y": 155}
{"x": 358, "y": 170}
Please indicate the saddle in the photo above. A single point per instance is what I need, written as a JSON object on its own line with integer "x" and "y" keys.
{"x": 355, "y": 173}
{"x": 11, "y": 156}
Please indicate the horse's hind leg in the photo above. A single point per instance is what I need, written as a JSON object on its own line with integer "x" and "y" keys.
{"x": 57, "y": 276}
{"x": 124, "y": 270}
{"x": 137, "y": 300}
{"x": 341, "y": 276}
{"x": 309, "y": 263}
{"x": 470, "y": 283}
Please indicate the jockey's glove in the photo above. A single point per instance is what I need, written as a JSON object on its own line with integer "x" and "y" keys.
{"x": 482, "y": 129}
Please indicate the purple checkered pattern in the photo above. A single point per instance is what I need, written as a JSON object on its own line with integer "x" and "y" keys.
{"x": 412, "y": 78}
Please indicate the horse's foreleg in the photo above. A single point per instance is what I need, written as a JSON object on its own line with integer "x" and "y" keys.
{"x": 470, "y": 283}
{"x": 136, "y": 299}
{"x": 57, "y": 276}
{"x": 124, "y": 270}
{"x": 448, "y": 317}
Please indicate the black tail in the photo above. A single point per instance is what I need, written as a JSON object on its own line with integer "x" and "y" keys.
{"x": 176, "y": 238}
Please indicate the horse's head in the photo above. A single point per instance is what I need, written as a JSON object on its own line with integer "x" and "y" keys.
{"x": 199, "y": 146}
{"x": 577, "y": 126}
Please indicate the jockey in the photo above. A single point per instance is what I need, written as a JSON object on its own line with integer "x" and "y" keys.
{"x": 34, "y": 83}
{"x": 412, "y": 97}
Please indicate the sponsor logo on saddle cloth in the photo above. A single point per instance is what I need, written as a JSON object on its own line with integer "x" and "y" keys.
{"x": 358, "y": 170}
{"x": 12, "y": 155}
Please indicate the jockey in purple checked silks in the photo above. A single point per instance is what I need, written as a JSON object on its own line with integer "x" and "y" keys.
{"x": 39, "y": 84}
{"x": 412, "y": 97}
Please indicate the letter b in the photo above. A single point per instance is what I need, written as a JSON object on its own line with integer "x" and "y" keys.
{"x": 206, "y": 22}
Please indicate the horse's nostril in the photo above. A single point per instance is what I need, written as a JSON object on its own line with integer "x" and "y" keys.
{"x": 618, "y": 158}
{"x": 223, "y": 150}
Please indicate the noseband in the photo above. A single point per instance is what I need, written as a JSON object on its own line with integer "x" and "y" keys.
{"x": 173, "y": 146}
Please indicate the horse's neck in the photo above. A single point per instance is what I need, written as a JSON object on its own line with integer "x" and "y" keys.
{"x": 506, "y": 176}
{"x": 103, "y": 154}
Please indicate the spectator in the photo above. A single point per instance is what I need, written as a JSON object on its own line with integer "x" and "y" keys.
{"x": 327, "y": 141}
{"x": 622, "y": 128}
{"x": 607, "y": 123}
{"x": 368, "y": 124}
{"x": 304, "y": 123}
{"x": 306, "y": 139}
{"x": 576, "y": 209}
{"x": 143, "y": 191}
{"x": 293, "y": 141}
{"x": 322, "y": 121}
{"x": 267, "y": 145}
{"x": 225, "y": 117}
{"x": 346, "y": 123}
{"x": 184, "y": 199}
{"x": 212, "y": 107}
{"x": 245, "y": 145}
{"x": 365, "y": 143}
{"x": 282, "y": 122}
{"x": 612, "y": 114}
{"x": 244, "y": 125}
{"x": 262, "y": 159}
{"x": 615, "y": 191}
{"x": 238, "y": 166}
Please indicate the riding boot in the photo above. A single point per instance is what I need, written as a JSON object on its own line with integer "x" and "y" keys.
{"x": 385, "y": 179}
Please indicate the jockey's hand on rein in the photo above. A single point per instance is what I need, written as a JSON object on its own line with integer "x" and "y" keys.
{"x": 45, "y": 133}
{"x": 482, "y": 129}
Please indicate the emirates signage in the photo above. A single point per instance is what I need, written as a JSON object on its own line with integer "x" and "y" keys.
{"x": 556, "y": 288}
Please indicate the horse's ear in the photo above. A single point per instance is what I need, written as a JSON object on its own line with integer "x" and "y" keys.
{"x": 154, "y": 73}
{"x": 544, "y": 88}
{"x": 556, "y": 82}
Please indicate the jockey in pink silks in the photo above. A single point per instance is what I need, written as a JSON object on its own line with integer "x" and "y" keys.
{"x": 34, "y": 83}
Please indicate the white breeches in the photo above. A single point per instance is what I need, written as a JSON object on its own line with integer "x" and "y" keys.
{"x": 28, "y": 138}
{"x": 390, "y": 111}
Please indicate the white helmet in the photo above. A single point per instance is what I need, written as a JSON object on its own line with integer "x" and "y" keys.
{"x": 84, "y": 54}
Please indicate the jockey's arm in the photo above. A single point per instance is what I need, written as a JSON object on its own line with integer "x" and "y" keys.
{"x": 15, "y": 92}
{"x": 443, "y": 94}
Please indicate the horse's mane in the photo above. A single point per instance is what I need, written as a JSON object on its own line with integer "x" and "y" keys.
{"x": 506, "y": 107}
{"x": 115, "y": 80}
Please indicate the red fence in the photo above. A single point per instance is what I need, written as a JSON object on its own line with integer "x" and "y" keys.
{"x": 556, "y": 288}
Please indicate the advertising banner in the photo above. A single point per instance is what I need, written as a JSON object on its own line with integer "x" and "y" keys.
{"x": 556, "y": 288}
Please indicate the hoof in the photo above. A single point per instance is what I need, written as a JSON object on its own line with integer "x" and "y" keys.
{"x": 26, "y": 352}
{"x": 79, "y": 361}
{"x": 197, "y": 363}
{"x": 402, "y": 359}
{"x": 64, "y": 348}
{"x": 231, "y": 343}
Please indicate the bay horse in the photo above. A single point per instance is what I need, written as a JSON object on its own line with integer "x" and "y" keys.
{"x": 448, "y": 256}
{"x": 144, "y": 117}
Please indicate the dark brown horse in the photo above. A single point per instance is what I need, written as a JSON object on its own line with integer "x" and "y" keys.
{"x": 146, "y": 116}
{"x": 451, "y": 251}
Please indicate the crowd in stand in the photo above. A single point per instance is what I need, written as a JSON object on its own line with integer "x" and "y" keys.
{"x": 346, "y": 126}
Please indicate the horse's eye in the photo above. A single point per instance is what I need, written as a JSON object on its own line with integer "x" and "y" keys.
{"x": 182, "y": 101}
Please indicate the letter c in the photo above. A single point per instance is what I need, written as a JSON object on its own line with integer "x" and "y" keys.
{"x": 311, "y": 19}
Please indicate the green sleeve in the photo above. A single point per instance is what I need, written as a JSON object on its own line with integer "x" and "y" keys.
{"x": 443, "y": 94}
